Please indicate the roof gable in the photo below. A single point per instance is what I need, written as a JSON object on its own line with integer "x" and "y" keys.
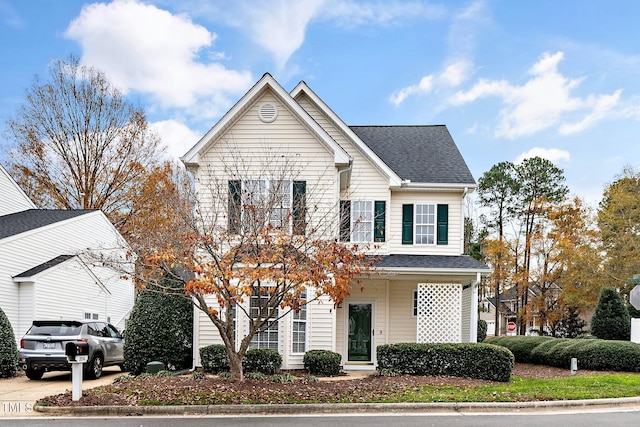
{"x": 418, "y": 154}
{"x": 303, "y": 88}
{"x": 14, "y": 199}
{"x": 267, "y": 82}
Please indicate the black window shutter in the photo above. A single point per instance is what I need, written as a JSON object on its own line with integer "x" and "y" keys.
{"x": 443, "y": 224}
{"x": 345, "y": 220}
{"x": 407, "y": 224}
{"x": 299, "y": 207}
{"x": 235, "y": 201}
{"x": 379, "y": 211}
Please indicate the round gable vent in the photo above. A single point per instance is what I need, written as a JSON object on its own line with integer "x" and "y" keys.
{"x": 267, "y": 112}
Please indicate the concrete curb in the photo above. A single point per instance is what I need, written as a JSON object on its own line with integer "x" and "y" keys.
{"x": 338, "y": 408}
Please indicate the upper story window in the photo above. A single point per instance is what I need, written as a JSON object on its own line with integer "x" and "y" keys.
{"x": 425, "y": 224}
{"x": 254, "y": 203}
{"x": 362, "y": 220}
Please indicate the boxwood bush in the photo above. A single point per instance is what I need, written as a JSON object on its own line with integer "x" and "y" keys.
{"x": 262, "y": 360}
{"x": 595, "y": 354}
{"x": 472, "y": 360}
{"x": 213, "y": 358}
{"x": 8, "y": 348}
{"x": 322, "y": 362}
{"x": 482, "y": 330}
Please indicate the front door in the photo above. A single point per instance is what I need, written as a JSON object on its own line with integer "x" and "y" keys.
{"x": 360, "y": 327}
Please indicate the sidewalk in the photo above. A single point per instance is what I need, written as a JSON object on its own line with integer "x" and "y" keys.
{"x": 18, "y": 395}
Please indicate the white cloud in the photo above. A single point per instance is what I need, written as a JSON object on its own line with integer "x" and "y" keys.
{"x": 353, "y": 14}
{"x": 137, "y": 46}
{"x": 552, "y": 154}
{"x": 543, "y": 101}
{"x": 176, "y": 137}
{"x": 424, "y": 86}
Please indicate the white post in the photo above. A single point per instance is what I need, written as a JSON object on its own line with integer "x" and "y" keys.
{"x": 76, "y": 380}
{"x": 574, "y": 365}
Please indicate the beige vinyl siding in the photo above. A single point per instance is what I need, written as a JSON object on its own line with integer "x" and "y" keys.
{"x": 26, "y": 308}
{"x": 402, "y": 322}
{"x": 465, "y": 327}
{"x": 264, "y": 148}
{"x": 22, "y": 252}
{"x": 394, "y": 224}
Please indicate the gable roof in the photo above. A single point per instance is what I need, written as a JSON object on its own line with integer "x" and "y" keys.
{"x": 14, "y": 199}
{"x": 20, "y": 222}
{"x": 192, "y": 157}
{"x": 303, "y": 88}
{"x": 419, "y": 154}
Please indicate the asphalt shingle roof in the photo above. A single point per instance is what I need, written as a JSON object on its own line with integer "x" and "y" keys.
{"x": 20, "y": 222}
{"x": 422, "y": 154}
{"x": 44, "y": 266}
{"x": 430, "y": 261}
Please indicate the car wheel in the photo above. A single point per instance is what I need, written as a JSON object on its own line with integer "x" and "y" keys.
{"x": 94, "y": 370}
{"x": 34, "y": 374}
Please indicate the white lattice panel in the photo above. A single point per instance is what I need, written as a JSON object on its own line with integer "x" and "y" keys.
{"x": 439, "y": 312}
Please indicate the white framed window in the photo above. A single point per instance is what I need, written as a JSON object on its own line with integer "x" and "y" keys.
{"x": 362, "y": 220}
{"x": 299, "y": 328}
{"x": 91, "y": 316}
{"x": 267, "y": 200}
{"x": 425, "y": 224}
{"x": 268, "y": 335}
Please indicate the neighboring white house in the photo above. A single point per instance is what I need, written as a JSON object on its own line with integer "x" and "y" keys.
{"x": 45, "y": 272}
{"x": 400, "y": 189}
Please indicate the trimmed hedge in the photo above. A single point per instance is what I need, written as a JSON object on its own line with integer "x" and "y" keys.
{"x": 520, "y": 346}
{"x": 322, "y": 362}
{"x": 595, "y": 354}
{"x": 469, "y": 360}
{"x": 213, "y": 358}
{"x": 262, "y": 360}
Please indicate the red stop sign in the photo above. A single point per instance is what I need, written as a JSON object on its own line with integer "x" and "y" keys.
{"x": 511, "y": 326}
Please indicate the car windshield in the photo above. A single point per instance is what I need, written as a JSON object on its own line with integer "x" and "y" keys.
{"x": 65, "y": 329}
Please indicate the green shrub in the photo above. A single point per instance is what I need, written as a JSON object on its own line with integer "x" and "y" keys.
{"x": 8, "y": 348}
{"x": 482, "y": 330}
{"x": 213, "y": 358}
{"x": 472, "y": 360}
{"x": 520, "y": 346}
{"x": 255, "y": 376}
{"x": 611, "y": 319}
{"x": 160, "y": 328}
{"x": 283, "y": 378}
{"x": 595, "y": 354}
{"x": 262, "y": 360}
{"x": 322, "y": 362}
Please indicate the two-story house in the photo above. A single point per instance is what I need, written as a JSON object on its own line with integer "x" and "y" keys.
{"x": 398, "y": 191}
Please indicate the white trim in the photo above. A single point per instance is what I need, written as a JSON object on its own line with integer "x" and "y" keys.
{"x": 192, "y": 157}
{"x": 394, "y": 179}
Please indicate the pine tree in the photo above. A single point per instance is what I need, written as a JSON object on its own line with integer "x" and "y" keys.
{"x": 611, "y": 319}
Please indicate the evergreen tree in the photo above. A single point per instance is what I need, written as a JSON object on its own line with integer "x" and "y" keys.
{"x": 571, "y": 325}
{"x": 8, "y": 348}
{"x": 611, "y": 319}
{"x": 160, "y": 328}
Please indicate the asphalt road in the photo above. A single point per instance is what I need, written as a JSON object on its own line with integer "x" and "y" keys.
{"x": 581, "y": 419}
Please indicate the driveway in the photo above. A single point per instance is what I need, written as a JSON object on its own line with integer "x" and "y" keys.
{"x": 19, "y": 394}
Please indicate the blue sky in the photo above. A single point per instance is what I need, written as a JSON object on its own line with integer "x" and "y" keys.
{"x": 510, "y": 79}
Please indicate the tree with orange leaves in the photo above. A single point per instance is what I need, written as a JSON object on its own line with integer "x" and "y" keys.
{"x": 259, "y": 249}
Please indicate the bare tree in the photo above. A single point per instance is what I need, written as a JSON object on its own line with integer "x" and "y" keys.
{"x": 79, "y": 143}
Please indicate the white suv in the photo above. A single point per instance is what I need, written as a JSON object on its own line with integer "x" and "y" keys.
{"x": 42, "y": 348}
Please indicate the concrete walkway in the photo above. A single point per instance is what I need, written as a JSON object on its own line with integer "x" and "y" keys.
{"x": 18, "y": 395}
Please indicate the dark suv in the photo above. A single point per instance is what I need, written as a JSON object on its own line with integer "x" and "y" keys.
{"x": 42, "y": 347}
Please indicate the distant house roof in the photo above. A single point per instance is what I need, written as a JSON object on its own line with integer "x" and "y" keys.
{"x": 461, "y": 262}
{"x": 20, "y": 222}
{"x": 44, "y": 266}
{"x": 424, "y": 154}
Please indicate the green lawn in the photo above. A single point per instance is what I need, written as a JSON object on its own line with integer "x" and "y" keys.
{"x": 526, "y": 389}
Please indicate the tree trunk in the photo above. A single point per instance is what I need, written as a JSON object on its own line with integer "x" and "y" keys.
{"x": 235, "y": 365}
